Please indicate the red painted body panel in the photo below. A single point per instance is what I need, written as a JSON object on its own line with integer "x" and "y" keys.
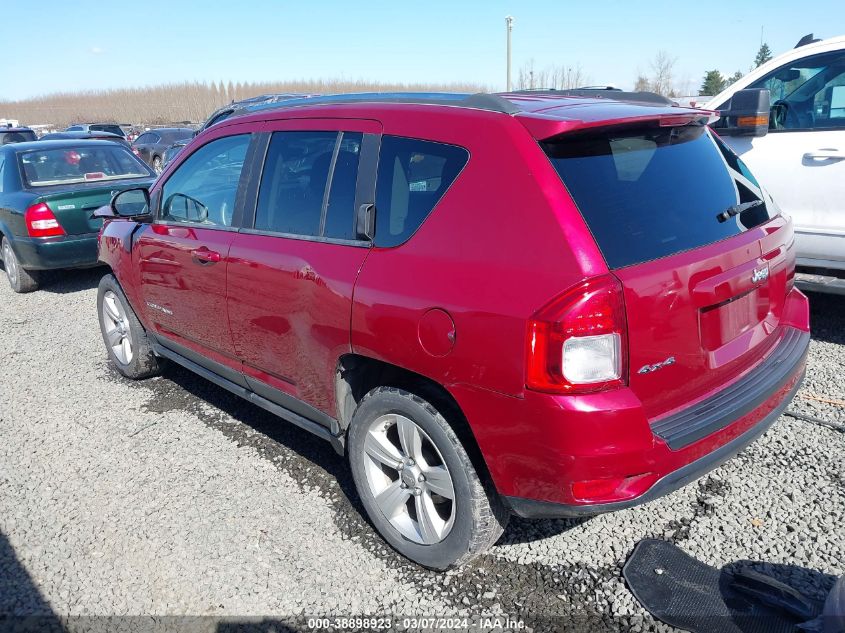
{"x": 503, "y": 241}
{"x": 184, "y": 297}
{"x": 289, "y": 306}
{"x": 701, "y": 308}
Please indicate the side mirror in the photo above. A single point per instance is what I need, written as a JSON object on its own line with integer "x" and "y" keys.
{"x": 747, "y": 113}
{"x": 131, "y": 203}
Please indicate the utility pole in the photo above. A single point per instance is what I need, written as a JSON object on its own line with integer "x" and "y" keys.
{"x": 509, "y": 23}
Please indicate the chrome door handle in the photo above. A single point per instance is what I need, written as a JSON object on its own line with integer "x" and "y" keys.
{"x": 827, "y": 153}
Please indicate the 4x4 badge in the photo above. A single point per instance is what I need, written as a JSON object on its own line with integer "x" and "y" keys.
{"x": 647, "y": 369}
{"x": 760, "y": 274}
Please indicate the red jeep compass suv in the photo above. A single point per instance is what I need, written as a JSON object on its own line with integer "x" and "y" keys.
{"x": 542, "y": 305}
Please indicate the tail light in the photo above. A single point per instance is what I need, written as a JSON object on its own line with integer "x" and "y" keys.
{"x": 40, "y": 221}
{"x": 577, "y": 343}
{"x": 135, "y": 151}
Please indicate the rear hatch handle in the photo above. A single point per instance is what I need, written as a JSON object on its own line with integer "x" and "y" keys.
{"x": 730, "y": 284}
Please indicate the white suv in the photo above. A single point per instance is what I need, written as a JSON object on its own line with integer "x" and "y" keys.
{"x": 801, "y": 160}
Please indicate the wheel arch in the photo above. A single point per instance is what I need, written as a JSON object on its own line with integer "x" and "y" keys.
{"x": 357, "y": 375}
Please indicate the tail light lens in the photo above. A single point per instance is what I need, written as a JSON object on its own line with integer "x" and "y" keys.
{"x": 40, "y": 221}
{"x": 577, "y": 343}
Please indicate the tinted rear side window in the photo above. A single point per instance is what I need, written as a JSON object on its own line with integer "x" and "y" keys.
{"x": 412, "y": 177}
{"x": 340, "y": 212}
{"x": 650, "y": 193}
{"x": 296, "y": 170}
{"x": 114, "y": 129}
{"x": 16, "y": 137}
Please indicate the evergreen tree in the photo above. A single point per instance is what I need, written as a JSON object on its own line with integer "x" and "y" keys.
{"x": 713, "y": 83}
{"x": 733, "y": 78}
{"x": 763, "y": 55}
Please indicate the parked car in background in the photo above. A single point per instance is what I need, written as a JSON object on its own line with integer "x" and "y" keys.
{"x": 102, "y": 136}
{"x": 48, "y": 191}
{"x": 801, "y": 160}
{"x": 233, "y": 109}
{"x": 16, "y": 135}
{"x": 239, "y": 107}
{"x": 574, "y": 312}
{"x": 151, "y": 145}
{"x": 112, "y": 128}
{"x": 171, "y": 152}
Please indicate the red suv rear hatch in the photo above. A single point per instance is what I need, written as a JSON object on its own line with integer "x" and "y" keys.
{"x": 704, "y": 258}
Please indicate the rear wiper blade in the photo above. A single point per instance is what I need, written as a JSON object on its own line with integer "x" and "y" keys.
{"x": 736, "y": 209}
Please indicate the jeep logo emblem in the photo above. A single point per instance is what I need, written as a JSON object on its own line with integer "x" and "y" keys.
{"x": 760, "y": 274}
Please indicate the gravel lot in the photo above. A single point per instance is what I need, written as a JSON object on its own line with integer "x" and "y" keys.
{"x": 172, "y": 497}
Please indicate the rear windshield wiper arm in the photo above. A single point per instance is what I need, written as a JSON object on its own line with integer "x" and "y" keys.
{"x": 736, "y": 209}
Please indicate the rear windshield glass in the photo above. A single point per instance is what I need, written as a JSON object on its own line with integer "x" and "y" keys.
{"x": 16, "y": 137}
{"x": 652, "y": 192}
{"x": 69, "y": 165}
{"x": 114, "y": 129}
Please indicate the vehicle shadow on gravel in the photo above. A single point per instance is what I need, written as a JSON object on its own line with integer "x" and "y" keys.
{"x": 827, "y": 317}
{"x": 182, "y": 390}
{"x": 69, "y": 281}
{"x": 559, "y": 592}
{"x": 275, "y": 431}
{"x": 19, "y": 596}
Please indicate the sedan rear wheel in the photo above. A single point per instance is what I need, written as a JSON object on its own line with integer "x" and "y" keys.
{"x": 20, "y": 279}
{"x": 157, "y": 165}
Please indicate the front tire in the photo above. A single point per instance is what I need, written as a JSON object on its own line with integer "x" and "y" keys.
{"x": 20, "y": 279}
{"x": 127, "y": 344}
{"x": 417, "y": 483}
{"x": 157, "y": 165}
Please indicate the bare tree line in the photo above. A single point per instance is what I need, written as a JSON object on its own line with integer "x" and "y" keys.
{"x": 559, "y": 77}
{"x": 188, "y": 101}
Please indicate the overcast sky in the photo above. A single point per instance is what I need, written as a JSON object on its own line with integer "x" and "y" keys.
{"x": 86, "y": 44}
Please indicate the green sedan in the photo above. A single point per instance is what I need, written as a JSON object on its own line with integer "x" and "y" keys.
{"x": 48, "y": 193}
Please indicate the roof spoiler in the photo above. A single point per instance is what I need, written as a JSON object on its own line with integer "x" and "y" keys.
{"x": 607, "y": 92}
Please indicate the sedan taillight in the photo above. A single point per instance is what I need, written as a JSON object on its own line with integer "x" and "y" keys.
{"x": 40, "y": 221}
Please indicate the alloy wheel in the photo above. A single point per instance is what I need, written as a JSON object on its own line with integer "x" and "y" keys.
{"x": 10, "y": 263}
{"x": 409, "y": 479}
{"x": 116, "y": 326}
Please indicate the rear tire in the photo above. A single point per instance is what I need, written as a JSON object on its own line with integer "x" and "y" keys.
{"x": 127, "y": 344}
{"x": 452, "y": 514}
{"x": 20, "y": 279}
{"x": 157, "y": 164}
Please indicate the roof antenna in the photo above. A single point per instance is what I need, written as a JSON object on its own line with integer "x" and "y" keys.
{"x": 807, "y": 39}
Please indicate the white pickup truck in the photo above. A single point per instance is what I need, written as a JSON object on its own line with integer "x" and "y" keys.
{"x": 800, "y": 156}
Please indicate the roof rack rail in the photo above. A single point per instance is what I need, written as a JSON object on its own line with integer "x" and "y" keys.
{"x": 478, "y": 101}
{"x": 603, "y": 93}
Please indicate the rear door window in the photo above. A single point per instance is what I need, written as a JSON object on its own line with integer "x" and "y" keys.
{"x": 652, "y": 192}
{"x": 308, "y": 184}
{"x": 114, "y": 129}
{"x": 340, "y": 209}
{"x": 22, "y": 136}
{"x": 413, "y": 175}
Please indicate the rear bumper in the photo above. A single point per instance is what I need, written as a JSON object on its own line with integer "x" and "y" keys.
{"x": 533, "y": 509}
{"x": 66, "y": 251}
{"x": 538, "y": 446}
